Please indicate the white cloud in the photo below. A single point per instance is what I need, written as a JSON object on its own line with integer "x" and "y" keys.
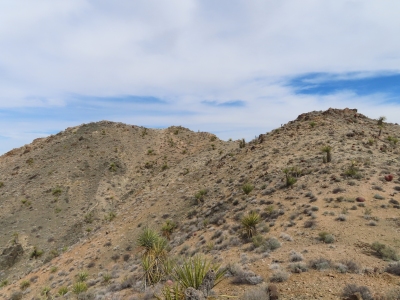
{"x": 189, "y": 51}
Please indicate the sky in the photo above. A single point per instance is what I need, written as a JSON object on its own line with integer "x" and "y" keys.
{"x": 236, "y": 68}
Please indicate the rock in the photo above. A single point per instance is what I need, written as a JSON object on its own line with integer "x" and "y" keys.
{"x": 192, "y": 294}
{"x": 208, "y": 283}
{"x": 360, "y": 199}
{"x": 10, "y": 255}
{"x": 273, "y": 292}
{"x": 389, "y": 177}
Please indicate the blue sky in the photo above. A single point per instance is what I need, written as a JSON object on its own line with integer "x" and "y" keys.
{"x": 235, "y": 68}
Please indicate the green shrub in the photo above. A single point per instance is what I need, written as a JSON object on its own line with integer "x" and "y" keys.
{"x": 106, "y": 277}
{"x": 200, "y": 195}
{"x": 1, "y": 184}
{"x": 79, "y": 287}
{"x": 385, "y": 252}
{"x": 82, "y": 276}
{"x": 36, "y": 253}
{"x": 3, "y": 283}
{"x": 24, "y": 284}
{"x": 62, "y": 290}
{"x": 167, "y": 229}
{"x": 258, "y": 240}
{"x": 45, "y": 291}
{"x": 57, "y": 191}
{"x": 326, "y": 237}
{"x": 110, "y": 216}
{"x": 247, "y": 188}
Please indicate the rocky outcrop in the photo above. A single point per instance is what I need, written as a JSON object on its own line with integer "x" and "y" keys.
{"x": 10, "y": 255}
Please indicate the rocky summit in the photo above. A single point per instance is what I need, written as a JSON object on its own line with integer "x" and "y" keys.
{"x": 108, "y": 210}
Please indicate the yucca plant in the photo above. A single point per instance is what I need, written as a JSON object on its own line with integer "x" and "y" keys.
{"x": 193, "y": 270}
{"x": 328, "y": 151}
{"x": 147, "y": 238}
{"x": 167, "y": 229}
{"x": 249, "y": 223}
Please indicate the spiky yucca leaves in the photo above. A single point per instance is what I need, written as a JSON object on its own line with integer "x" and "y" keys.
{"x": 147, "y": 238}
{"x": 249, "y": 223}
{"x": 328, "y": 151}
{"x": 167, "y": 229}
{"x": 171, "y": 292}
{"x": 154, "y": 257}
{"x": 193, "y": 270}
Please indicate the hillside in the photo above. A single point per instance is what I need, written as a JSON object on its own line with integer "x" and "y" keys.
{"x": 78, "y": 201}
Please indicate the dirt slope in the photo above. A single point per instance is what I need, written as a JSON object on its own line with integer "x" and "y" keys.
{"x": 84, "y": 195}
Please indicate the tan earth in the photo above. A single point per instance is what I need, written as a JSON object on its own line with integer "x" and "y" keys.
{"x": 82, "y": 197}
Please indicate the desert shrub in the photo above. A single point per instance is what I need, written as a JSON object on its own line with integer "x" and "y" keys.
{"x": 385, "y": 252}
{"x": 259, "y": 293}
{"x": 350, "y": 289}
{"x": 1, "y": 184}
{"x": 200, "y": 195}
{"x": 16, "y": 296}
{"x": 310, "y": 224}
{"x": 393, "y": 294}
{"x": 286, "y": 237}
{"x": 82, "y": 276}
{"x": 247, "y": 188}
{"x": 298, "y": 268}
{"x": 79, "y": 287}
{"x": 379, "y": 197}
{"x": 62, "y": 290}
{"x": 36, "y": 253}
{"x": 127, "y": 282}
{"x": 241, "y": 276}
{"x": 249, "y": 223}
{"x": 295, "y": 256}
{"x": 258, "y": 240}
{"x": 271, "y": 244}
{"x": 279, "y": 276}
{"x": 24, "y": 284}
{"x": 167, "y": 229}
{"x": 57, "y": 191}
{"x": 351, "y": 266}
{"x": 393, "y": 268}
{"x": 320, "y": 264}
{"x": 326, "y": 237}
{"x": 85, "y": 296}
{"x": 341, "y": 217}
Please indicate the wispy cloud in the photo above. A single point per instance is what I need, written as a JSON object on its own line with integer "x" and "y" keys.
{"x": 236, "y": 68}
